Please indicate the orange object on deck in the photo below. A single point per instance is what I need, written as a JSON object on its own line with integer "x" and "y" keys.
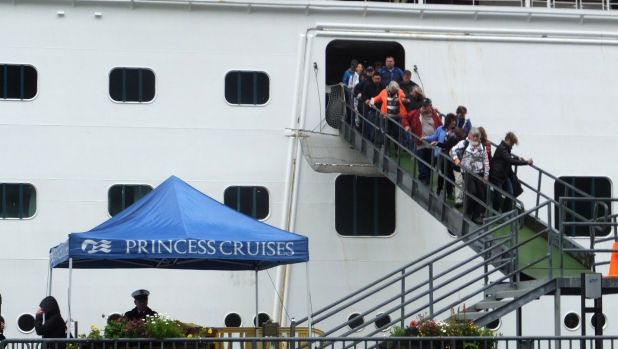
{"x": 613, "y": 261}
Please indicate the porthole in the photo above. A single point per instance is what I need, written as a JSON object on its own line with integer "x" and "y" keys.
{"x": 382, "y": 321}
{"x": 262, "y": 319}
{"x": 571, "y": 321}
{"x": 593, "y": 320}
{"x": 355, "y": 321}
{"x": 25, "y": 323}
{"x": 494, "y": 325}
{"x": 232, "y": 320}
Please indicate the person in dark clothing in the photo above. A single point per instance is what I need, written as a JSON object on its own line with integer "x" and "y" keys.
{"x": 406, "y": 86}
{"x": 48, "y": 322}
{"x": 141, "y": 309}
{"x": 416, "y": 98}
{"x": 369, "y": 88}
{"x": 501, "y": 170}
{"x": 389, "y": 72}
{"x": 2, "y": 337}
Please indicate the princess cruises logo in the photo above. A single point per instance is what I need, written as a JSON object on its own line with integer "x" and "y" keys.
{"x": 92, "y": 246}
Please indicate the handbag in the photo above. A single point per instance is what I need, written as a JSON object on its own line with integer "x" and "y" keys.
{"x": 517, "y": 189}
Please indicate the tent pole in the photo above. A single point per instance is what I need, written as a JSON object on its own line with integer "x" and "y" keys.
{"x": 257, "y": 322}
{"x": 69, "y": 296}
{"x": 309, "y": 311}
{"x": 49, "y": 280}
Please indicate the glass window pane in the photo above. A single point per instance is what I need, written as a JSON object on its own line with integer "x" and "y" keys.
{"x": 364, "y": 206}
{"x": 17, "y": 81}
{"x": 121, "y": 196}
{"x": 599, "y": 187}
{"x": 251, "y": 201}
{"x": 247, "y": 87}
{"x": 132, "y": 85}
{"x": 18, "y": 200}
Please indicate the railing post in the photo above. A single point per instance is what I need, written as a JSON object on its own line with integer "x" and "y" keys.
{"x": 515, "y": 251}
{"x": 561, "y": 218}
{"x": 538, "y": 193}
{"x": 549, "y": 245}
{"x": 464, "y": 190}
{"x": 403, "y": 297}
{"x": 431, "y": 291}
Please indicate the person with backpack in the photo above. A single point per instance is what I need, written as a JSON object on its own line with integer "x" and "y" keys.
{"x": 501, "y": 172}
{"x": 472, "y": 157}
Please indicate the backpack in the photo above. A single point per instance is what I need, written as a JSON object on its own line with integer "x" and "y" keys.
{"x": 460, "y": 152}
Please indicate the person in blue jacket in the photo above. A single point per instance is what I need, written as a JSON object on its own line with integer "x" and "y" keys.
{"x": 440, "y": 140}
{"x": 349, "y": 72}
{"x": 389, "y": 72}
{"x": 463, "y": 122}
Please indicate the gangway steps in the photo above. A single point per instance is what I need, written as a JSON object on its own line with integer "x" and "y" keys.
{"x": 398, "y": 167}
{"x": 504, "y": 298}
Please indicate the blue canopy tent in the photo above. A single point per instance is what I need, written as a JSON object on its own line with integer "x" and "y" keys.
{"x": 177, "y": 227}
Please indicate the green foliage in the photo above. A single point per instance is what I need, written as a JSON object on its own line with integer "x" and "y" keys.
{"x": 158, "y": 327}
{"x": 398, "y": 331}
{"x": 450, "y": 328}
{"x": 114, "y": 329}
{"x": 162, "y": 327}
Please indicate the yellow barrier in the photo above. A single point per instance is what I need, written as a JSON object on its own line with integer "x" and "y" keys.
{"x": 252, "y": 332}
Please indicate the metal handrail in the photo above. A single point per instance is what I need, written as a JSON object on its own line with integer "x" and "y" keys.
{"x": 427, "y": 262}
{"x": 508, "y": 252}
{"x": 489, "y": 185}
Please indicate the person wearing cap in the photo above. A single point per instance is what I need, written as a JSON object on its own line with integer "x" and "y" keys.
{"x": 422, "y": 123}
{"x": 141, "y": 309}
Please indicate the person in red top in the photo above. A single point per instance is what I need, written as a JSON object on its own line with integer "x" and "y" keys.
{"x": 423, "y": 122}
{"x": 392, "y": 98}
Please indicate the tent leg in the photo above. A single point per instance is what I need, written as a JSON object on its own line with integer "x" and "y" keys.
{"x": 257, "y": 322}
{"x": 49, "y": 280}
{"x": 309, "y": 310}
{"x": 70, "y": 321}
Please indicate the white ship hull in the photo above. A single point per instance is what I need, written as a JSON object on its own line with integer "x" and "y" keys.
{"x": 548, "y": 75}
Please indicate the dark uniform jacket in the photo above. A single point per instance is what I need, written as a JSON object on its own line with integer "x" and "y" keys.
{"x": 501, "y": 162}
{"x": 53, "y": 326}
{"x": 133, "y": 314}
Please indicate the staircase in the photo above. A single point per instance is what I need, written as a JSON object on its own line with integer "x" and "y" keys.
{"x": 517, "y": 256}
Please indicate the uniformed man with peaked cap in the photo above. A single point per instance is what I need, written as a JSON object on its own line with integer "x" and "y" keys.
{"x": 141, "y": 309}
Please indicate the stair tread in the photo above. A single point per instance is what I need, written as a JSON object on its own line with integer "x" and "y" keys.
{"x": 489, "y": 304}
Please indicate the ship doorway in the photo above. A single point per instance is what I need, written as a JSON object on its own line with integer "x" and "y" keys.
{"x": 339, "y": 54}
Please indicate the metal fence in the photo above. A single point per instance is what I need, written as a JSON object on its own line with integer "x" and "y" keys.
{"x": 590, "y": 342}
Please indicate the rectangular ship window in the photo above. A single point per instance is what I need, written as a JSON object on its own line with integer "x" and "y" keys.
{"x": 598, "y": 187}
{"x": 121, "y": 196}
{"x": 18, "y": 81}
{"x": 247, "y": 88}
{"x": 251, "y": 201}
{"x": 364, "y": 206}
{"x": 18, "y": 200}
{"x": 132, "y": 85}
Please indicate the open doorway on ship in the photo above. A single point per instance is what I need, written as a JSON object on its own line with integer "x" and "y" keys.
{"x": 339, "y": 54}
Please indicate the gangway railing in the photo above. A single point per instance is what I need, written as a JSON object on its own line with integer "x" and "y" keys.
{"x": 438, "y": 293}
{"x": 384, "y": 142}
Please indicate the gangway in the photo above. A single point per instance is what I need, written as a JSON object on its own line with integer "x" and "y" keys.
{"x": 518, "y": 256}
